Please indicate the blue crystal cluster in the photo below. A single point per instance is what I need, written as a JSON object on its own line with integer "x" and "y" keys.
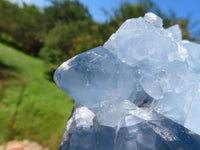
{"x": 140, "y": 90}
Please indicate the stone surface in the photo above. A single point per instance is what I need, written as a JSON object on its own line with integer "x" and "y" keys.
{"x": 144, "y": 79}
{"x": 24, "y": 145}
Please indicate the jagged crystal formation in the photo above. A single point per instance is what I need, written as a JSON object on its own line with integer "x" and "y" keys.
{"x": 140, "y": 90}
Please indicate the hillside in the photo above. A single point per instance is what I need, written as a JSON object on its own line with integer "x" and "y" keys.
{"x": 44, "y": 110}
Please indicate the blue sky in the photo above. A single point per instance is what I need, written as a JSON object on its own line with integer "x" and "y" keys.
{"x": 182, "y": 8}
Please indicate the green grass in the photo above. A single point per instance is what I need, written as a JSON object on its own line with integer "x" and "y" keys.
{"x": 45, "y": 108}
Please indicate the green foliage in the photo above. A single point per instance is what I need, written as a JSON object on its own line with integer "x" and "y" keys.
{"x": 9, "y": 41}
{"x": 66, "y": 11}
{"x": 68, "y": 22}
{"x": 28, "y": 25}
{"x": 67, "y": 40}
{"x": 31, "y": 29}
{"x": 24, "y": 25}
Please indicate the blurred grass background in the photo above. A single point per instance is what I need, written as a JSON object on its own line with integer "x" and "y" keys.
{"x": 35, "y": 41}
{"x": 44, "y": 110}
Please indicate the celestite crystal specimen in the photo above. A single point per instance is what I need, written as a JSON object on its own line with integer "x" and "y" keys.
{"x": 139, "y": 91}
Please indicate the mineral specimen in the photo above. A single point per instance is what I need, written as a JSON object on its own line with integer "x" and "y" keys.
{"x": 140, "y": 90}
